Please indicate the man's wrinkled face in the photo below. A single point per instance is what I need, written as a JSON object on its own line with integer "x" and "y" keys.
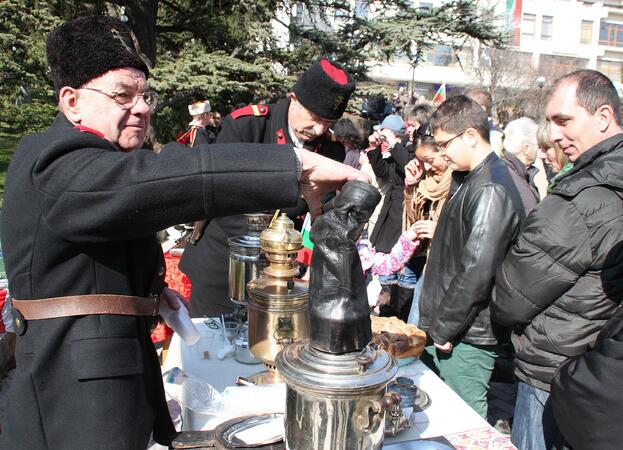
{"x": 570, "y": 125}
{"x": 306, "y": 125}
{"x": 125, "y": 128}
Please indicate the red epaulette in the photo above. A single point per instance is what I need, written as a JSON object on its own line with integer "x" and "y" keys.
{"x": 251, "y": 110}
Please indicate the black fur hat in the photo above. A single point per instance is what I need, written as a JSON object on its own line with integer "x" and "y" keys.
{"x": 88, "y": 47}
{"x": 324, "y": 89}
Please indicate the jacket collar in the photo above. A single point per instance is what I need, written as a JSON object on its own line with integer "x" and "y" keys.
{"x": 601, "y": 165}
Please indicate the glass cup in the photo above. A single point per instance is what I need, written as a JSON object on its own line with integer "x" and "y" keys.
{"x": 231, "y": 331}
{"x": 204, "y": 346}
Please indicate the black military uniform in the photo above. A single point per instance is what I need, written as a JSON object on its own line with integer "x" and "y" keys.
{"x": 80, "y": 218}
{"x": 207, "y": 262}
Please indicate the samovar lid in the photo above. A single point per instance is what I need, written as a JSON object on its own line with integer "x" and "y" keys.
{"x": 258, "y": 221}
{"x": 269, "y": 289}
{"x": 303, "y": 366}
{"x": 281, "y": 236}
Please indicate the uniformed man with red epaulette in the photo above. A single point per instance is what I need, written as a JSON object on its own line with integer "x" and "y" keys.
{"x": 198, "y": 132}
{"x": 318, "y": 99}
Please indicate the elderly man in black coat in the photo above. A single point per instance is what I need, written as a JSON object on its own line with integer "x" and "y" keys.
{"x": 82, "y": 205}
{"x": 318, "y": 99}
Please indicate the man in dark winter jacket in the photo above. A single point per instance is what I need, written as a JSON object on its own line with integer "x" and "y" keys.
{"x": 560, "y": 284}
{"x": 477, "y": 226}
{"x": 318, "y": 99}
{"x": 586, "y": 394}
{"x": 82, "y": 206}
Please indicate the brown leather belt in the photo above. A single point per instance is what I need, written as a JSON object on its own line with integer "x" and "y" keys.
{"x": 82, "y": 305}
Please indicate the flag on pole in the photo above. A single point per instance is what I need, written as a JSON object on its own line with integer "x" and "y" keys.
{"x": 305, "y": 254}
{"x": 440, "y": 96}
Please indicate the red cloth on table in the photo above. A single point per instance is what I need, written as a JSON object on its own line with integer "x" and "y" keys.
{"x": 3, "y": 293}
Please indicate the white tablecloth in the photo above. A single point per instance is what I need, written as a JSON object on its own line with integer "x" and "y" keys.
{"x": 448, "y": 413}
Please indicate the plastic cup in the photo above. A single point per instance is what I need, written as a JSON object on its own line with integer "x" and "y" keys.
{"x": 204, "y": 348}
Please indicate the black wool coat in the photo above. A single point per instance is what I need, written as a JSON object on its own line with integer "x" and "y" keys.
{"x": 207, "y": 263}
{"x": 80, "y": 217}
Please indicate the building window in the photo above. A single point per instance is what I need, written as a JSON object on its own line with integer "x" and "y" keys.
{"x": 612, "y": 69}
{"x": 528, "y": 24}
{"x": 586, "y": 35}
{"x": 441, "y": 55}
{"x": 611, "y": 34}
{"x": 556, "y": 66}
{"x": 547, "y": 28}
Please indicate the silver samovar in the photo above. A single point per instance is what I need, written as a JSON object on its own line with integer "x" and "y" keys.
{"x": 336, "y": 382}
{"x": 277, "y": 308}
{"x": 246, "y": 261}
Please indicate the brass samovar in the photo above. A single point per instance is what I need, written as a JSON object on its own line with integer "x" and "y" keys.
{"x": 278, "y": 303}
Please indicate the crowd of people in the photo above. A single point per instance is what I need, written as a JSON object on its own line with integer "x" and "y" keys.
{"x": 484, "y": 237}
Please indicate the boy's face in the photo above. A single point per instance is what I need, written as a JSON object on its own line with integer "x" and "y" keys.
{"x": 454, "y": 149}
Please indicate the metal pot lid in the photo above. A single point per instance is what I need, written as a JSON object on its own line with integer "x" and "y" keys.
{"x": 412, "y": 396}
{"x": 303, "y": 366}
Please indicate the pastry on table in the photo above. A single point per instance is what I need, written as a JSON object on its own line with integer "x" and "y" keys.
{"x": 400, "y": 339}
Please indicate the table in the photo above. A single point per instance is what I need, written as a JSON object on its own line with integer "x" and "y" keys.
{"x": 448, "y": 415}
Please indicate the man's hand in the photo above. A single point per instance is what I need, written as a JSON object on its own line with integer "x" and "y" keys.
{"x": 320, "y": 175}
{"x": 425, "y": 229}
{"x": 445, "y": 348}
{"x": 173, "y": 298}
{"x": 413, "y": 172}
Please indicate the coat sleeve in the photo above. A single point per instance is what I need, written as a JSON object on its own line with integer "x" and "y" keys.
{"x": 586, "y": 393}
{"x": 380, "y": 167}
{"x": 95, "y": 194}
{"x": 491, "y": 225}
{"x": 551, "y": 253}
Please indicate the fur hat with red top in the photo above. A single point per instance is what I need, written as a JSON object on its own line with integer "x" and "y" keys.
{"x": 324, "y": 89}
{"x": 87, "y": 47}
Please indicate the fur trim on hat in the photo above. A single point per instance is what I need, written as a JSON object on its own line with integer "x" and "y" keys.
{"x": 199, "y": 107}
{"x": 324, "y": 89}
{"x": 85, "y": 48}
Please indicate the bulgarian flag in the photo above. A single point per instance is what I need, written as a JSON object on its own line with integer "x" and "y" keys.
{"x": 305, "y": 254}
{"x": 440, "y": 96}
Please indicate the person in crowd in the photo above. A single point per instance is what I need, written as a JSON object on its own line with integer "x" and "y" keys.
{"x": 521, "y": 149}
{"x": 216, "y": 123}
{"x": 549, "y": 153}
{"x": 427, "y": 185}
{"x": 84, "y": 267}
{"x": 484, "y": 99}
{"x": 347, "y": 134}
{"x": 388, "y": 159}
{"x": 561, "y": 282}
{"x": 415, "y": 116}
{"x": 477, "y": 225}
{"x": 318, "y": 99}
{"x": 586, "y": 393}
{"x": 198, "y": 132}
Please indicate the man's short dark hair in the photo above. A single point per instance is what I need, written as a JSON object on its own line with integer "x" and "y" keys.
{"x": 482, "y": 97}
{"x": 459, "y": 113}
{"x": 593, "y": 90}
{"x": 421, "y": 112}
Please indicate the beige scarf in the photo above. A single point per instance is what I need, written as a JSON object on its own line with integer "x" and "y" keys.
{"x": 432, "y": 189}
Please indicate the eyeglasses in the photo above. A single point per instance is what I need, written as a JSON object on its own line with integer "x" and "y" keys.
{"x": 128, "y": 99}
{"x": 443, "y": 146}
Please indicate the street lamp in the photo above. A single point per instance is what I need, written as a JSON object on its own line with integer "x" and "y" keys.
{"x": 540, "y": 82}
